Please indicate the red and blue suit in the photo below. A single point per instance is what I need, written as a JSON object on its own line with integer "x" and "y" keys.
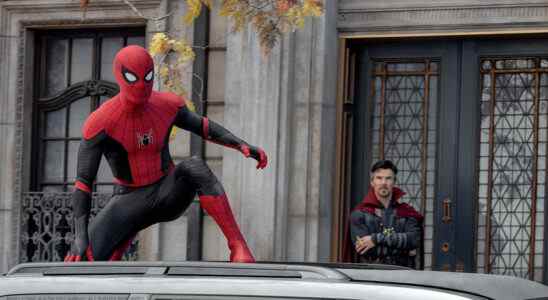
{"x": 132, "y": 131}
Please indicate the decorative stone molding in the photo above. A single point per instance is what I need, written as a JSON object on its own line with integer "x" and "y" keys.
{"x": 72, "y": 23}
{"x": 68, "y": 7}
{"x": 394, "y": 4}
{"x": 436, "y": 18}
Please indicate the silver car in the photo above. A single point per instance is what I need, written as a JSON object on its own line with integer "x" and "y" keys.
{"x": 227, "y": 281}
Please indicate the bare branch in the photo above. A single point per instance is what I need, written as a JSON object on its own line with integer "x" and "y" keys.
{"x": 201, "y": 90}
{"x": 140, "y": 14}
{"x": 135, "y": 10}
{"x": 163, "y": 17}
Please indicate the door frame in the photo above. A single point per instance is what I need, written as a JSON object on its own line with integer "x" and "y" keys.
{"x": 344, "y": 131}
{"x": 446, "y": 135}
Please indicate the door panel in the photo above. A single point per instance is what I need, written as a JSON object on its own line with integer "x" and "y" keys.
{"x": 404, "y": 91}
{"x": 510, "y": 160}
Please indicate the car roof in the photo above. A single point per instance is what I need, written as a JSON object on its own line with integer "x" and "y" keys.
{"x": 487, "y": 285}
{"x": 490, "y": 286}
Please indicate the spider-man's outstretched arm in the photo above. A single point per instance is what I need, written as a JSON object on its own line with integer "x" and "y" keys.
{"x": 216, "y": 133}
{"x": 89, "y": 158}
{"x": 215, "y": 202}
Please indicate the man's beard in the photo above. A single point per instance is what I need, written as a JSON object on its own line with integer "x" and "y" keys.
{"x": 384, "y": 192}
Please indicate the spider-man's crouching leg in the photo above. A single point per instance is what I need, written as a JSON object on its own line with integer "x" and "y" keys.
{"x": 214, "y": 201}
{"x": 132, "y": 210}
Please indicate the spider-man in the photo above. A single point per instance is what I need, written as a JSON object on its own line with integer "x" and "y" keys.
{"x": 132, "y": 131}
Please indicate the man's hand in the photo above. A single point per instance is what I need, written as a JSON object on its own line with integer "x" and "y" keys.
{"x": 257, "y": 153}
{"x": 78, "y": 248}
{"x": 363, "y": 244}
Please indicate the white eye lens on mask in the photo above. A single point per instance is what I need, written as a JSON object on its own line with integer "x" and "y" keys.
{"x": 129, "y": 77}
{"x": 149, "y": 76}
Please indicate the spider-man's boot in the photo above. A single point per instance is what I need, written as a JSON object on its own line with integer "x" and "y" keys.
{"x": 219, "y": 209}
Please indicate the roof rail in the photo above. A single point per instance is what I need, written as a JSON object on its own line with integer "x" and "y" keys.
{"x": 224, "y": 269}
{"x": 337, "y": 265}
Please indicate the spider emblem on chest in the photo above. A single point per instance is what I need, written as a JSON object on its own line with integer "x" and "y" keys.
{"x": 145, "y": 139}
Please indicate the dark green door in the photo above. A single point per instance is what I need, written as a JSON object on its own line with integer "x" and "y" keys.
{"x": 465, "y": 121}
{"x": 502, "y": 156}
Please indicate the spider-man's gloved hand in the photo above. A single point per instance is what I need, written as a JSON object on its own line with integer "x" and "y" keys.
{"x": 80, "y": 249}
{"x": 255, "y": 152}
{"x": 80, "y": 244}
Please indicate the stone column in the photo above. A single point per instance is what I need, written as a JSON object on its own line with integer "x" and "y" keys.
{"x": 284, "y": 103}
{"x": 10, "y": 152}
{"x": 168, "y": 241}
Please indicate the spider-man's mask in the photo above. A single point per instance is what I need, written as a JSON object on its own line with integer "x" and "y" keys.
{"x": 134, "y": 72}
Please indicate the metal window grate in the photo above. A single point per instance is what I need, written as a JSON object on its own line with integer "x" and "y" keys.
{"x": 46, "y": 231}
{"x": 512, "y": 166}
{"x": 405, "y": 95}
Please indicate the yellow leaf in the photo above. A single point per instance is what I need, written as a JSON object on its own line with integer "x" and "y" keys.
{"x": 312, "y": 8}
{"x": 194, "y": 9}
{"x": 227, "y": 8}
{"x": 295, "y": 16}
{"x": 190, "y": 105}
{"x": 173, "y": 133}
{"x": 159, "y": 44}
{"x": 184, "y": 50}
{"x": 164, "y": 71}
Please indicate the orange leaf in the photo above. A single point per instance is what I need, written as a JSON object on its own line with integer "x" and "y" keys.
{"x": 84, "y": 3}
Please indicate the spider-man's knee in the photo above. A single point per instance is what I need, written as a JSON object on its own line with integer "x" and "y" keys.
{"x": 196, "y": 171}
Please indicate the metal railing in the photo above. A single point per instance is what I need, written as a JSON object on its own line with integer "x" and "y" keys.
{"x": 46, "y": 226}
